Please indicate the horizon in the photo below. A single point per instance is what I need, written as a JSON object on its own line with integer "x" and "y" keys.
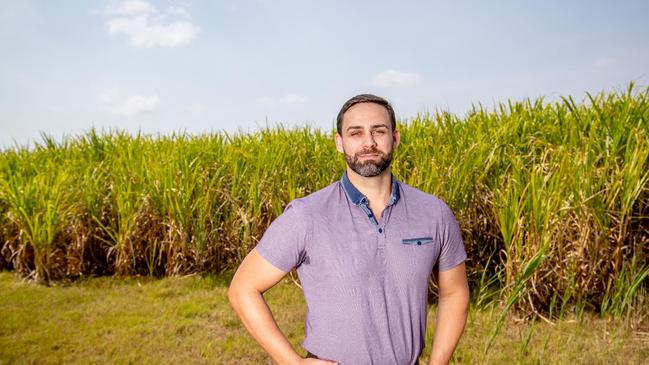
{"x": 45, "y": 138}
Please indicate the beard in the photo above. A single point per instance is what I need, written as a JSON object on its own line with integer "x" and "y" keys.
{"x": 369, "y": 168}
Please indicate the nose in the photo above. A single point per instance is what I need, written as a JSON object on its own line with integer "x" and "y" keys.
{"x": 369, "y": 140}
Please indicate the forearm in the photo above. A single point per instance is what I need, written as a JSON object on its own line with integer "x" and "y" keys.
{"x": 451, "y": 318}
{"x": 258, "y": 320}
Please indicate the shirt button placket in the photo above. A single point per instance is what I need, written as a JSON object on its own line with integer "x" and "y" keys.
{"x": 382, "y": 236}
{"x": 381, "y": 245}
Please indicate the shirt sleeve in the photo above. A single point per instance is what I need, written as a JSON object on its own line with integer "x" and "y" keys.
{"x": 452, "y": 253}
{"x": 284, "y": 242}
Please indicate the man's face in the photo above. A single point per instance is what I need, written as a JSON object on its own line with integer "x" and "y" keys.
{"x": 367, "y": 139}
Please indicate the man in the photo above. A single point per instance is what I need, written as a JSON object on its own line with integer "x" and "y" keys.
{"x": 364, "y": 248}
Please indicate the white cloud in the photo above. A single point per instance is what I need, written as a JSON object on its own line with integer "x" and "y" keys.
{"x": 181, "y": 12}
{"x": 142, "y": 33}
{"x": 288, "y": 99}
{"x": 134, "y": 7}
{"x": 135, "y": 105}
{"x": 146, "y": 26}
{"x": 197, "y": 109}
{"x": 394, "y": 78}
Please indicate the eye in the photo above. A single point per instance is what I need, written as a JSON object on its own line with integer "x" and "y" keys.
{"x": 379, "y": 131}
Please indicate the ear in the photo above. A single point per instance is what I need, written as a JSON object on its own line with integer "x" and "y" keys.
{"x": 396, "y": 138}
{"x": 339, "y": 143}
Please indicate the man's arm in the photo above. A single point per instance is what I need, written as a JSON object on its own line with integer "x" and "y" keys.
{"x": 254, "y": 276}
{"x": 451, "y": 313}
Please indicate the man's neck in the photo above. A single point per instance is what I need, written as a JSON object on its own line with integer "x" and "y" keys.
{"x": 377, "y": 189}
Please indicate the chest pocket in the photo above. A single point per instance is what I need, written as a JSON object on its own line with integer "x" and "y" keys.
{"x": 415, "y": 256}
{"x": 417, "y": 241}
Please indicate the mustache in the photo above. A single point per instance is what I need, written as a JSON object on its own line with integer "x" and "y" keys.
{"x": 372, "y": 151}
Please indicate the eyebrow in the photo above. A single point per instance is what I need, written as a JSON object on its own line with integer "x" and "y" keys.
{"x": 373, "y": 126}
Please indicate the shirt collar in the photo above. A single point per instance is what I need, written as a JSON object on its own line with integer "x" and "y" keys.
{"x": 357, "y": 198}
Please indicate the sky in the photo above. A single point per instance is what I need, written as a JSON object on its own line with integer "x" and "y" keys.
{"x": 200, "y": 66}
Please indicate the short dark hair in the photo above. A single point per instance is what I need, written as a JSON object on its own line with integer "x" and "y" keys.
{"x": 365, "y": 98}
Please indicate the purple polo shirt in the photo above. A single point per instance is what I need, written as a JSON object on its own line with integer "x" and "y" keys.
{"x": 365, "y": 279}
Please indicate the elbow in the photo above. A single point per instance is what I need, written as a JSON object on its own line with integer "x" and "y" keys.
{"x": 239, "y": 293}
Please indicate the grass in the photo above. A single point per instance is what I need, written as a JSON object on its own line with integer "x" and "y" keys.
{"x": 188, "y": 320}
{"x": 552, "y": 199}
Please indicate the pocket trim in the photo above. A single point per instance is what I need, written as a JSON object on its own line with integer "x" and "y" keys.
{"x": 417, "y": 241}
